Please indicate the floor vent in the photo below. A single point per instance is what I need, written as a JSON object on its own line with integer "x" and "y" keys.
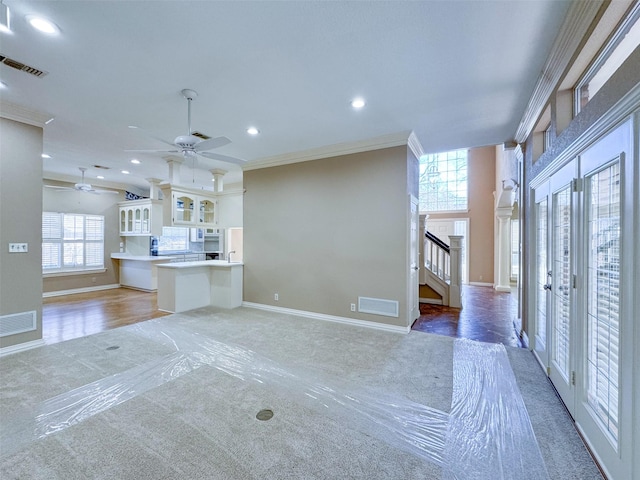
{"x": 22, "y": 67}
{"x": 17, "y": 323}
{"x": 378, "y": 306}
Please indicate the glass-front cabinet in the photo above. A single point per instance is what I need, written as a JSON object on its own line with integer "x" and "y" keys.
{"x": 140, "y": 217}
{"x": 191, "y": 208}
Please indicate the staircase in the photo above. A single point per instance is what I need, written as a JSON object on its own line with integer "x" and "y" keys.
{"x": 440, "y": 267}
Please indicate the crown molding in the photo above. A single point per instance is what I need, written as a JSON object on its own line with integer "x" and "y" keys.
{"x": 415, "y": 145}
{"x": 576, "y": 24}
{"x": 21, "y": 114}
{"x": 377, "y": 143}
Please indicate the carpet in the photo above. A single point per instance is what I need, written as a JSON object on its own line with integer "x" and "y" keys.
{"x": 177, "y": 397}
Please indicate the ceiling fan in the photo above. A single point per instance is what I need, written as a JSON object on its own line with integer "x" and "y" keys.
{"x": 189, "y": 145}
{"x": 82, "y": 187}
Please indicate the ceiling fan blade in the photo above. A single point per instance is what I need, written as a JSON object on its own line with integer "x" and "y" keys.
{"x": 99, "y": 192}
{"x": 211, "y": 144}
{"x": 223, "y": 158}
{"x": 153, "y": 151}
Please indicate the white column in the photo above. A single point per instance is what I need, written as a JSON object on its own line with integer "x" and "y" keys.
{"x": 455, "y": 280}
{"x": 217, "y": 179}
{"x": 502, "y": 281}
{"x": 153, "y": 188}
{"x": 174, "y": 163}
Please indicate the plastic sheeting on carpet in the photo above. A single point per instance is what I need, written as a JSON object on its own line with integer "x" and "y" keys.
{"x": 486, "y": 435}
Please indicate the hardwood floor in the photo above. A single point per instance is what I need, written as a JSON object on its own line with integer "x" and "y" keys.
{"x": 81, "y": 314}
{"x": 486, "y": 316}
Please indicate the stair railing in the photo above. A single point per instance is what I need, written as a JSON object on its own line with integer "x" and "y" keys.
{"x": 437, "y": 257}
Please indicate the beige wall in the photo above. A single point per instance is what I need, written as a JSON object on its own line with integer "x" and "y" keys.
{"x": 321, "y": 233}
{"x": 77, "y": 202}
{"x": 20, "y": 222}
{"x": 482, "y": 184}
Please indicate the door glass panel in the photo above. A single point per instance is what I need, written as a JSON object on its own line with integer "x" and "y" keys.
{"x": 561, "y": 283}
{"x": 603, "y": 303}
{"x": 541, "y": 293}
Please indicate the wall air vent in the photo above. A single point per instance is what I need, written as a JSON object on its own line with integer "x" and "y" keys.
{"x": 17, "y": 323}
{"x": 378, "y": 306}
{"x": 200, "y": 135}
{"x": 21, "y": 66}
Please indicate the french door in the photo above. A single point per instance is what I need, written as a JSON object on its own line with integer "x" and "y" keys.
{"x": 556, "y": 220}
{"x": 583, "y": 292}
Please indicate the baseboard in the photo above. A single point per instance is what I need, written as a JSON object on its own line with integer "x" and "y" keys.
{"x": 328, "y": 318}
{"x": 481, "y": 284}
{"x": 432, "y": 301}
{"x": 59, "y": 293}
{"x": 21, "y": 347}
{"x": 500, "y": 289}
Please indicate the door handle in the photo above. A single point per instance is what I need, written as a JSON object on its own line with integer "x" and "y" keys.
{"x": 547, "y": 286}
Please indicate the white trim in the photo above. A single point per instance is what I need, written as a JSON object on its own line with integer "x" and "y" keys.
{"x": 328, "y": 318}
{"x": 415, "y": 146}
{"x": 59, "y": 293}
{"x": 20, "y": 347}
{"x": 431, "y": 301}
{"x": 616, "y": 114}
{"x": 17, "y": 113}
{"x": 377, "y": 143}
{"x": 481, "y": 284}
{"x": 576, "y": 23}
{"x": 502, "y": 289}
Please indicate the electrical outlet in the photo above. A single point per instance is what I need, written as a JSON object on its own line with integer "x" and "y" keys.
{"x": 18, "y": 247}
{"x": 275, "y": 297}
{"x": 353, "y": 307}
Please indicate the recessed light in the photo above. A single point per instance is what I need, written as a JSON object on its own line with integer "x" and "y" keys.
{"x": 253, "y": 131}
{"x": 3, "y": 85}
{"x": 43, "y": 25}
{"x": 131, "y": 126}
{"x": 135, "y": 161}
{"x": 358, "y": 103}
{"x": 45, "y": 155}
{"x": 101, "y": 177}
{"x": 126, "y": 172}
{"x": 5, "y": 18}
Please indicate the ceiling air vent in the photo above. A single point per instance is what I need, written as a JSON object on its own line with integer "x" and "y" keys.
{"x": 200, "y": 135}
{"x": 102, "y": 167}
{"x": 21, "y": 66}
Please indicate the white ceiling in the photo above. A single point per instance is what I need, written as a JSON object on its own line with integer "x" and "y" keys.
{"x": 458, "y": 73}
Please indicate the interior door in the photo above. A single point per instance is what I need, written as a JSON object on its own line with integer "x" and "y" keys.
{"x": 414, "y": 307}
{"x": 561, "y": 324}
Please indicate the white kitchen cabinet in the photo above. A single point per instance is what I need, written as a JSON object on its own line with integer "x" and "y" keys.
{"x": 140, "y": 217}
{"x": 189, "y": 208}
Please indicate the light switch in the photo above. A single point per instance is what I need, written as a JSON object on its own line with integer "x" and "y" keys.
{"x": 18, "y": 247}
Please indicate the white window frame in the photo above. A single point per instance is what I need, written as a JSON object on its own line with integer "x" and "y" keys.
{"x": 606, "y": 54}
{"x": 437, "y": 179}
{"x": 72, "y": 243}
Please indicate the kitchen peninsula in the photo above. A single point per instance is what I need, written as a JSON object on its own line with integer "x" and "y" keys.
{"x": 188, "y": 285}
{"x": 139, "y": 271}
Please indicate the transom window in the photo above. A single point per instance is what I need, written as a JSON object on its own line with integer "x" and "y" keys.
{"x": 71, "y": 242}
{"x": 443, "y": 182}
{"x": 622, "y": 44}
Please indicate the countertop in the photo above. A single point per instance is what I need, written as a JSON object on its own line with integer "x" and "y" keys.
{"x": 141, "y": 258}
{"x": 202, "y": 263}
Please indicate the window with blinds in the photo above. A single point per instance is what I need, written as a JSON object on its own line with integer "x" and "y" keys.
{"x": 603, "y": 304}
{"x": 71, "y": 242}
{"x": 561, "y": 283}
